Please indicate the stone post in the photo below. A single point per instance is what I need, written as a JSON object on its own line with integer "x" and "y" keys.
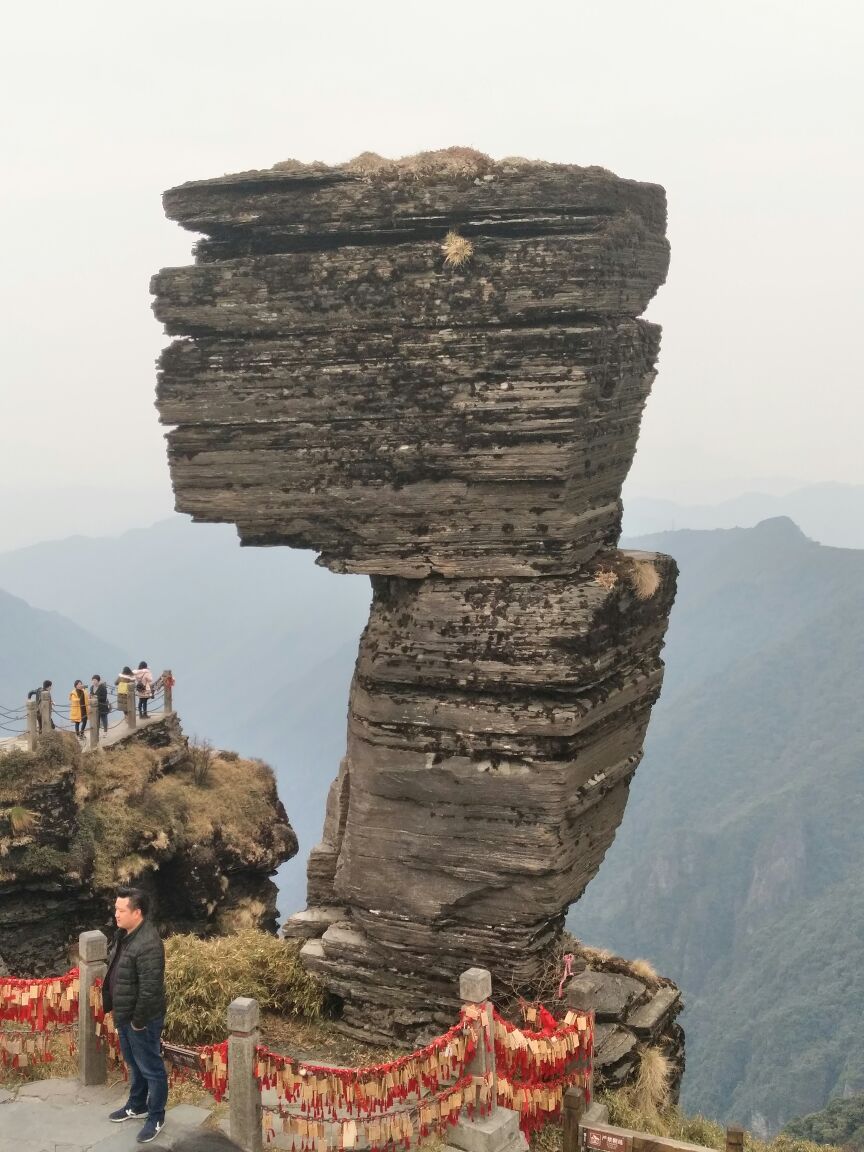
{"x": 93, "y": 952}
{"x": 734, "y": 1139}
{"x": 574, "y": 1109}
{"x": 45, "y": 711}
{"x": 475, "y": 988}
{"x": 499, "y": 1130}
{"x": 32, "y": 726}
{"x": 168, "y": 689}
{"x": 131, "y": 706}
{"x": 93, "y": 724}
{"x": 244, "y": 1096}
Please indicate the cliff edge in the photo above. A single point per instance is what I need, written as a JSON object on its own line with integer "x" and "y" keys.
{"x": 202, "y": 830}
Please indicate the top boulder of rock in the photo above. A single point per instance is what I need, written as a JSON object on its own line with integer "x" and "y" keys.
{"x": 428, "y": 365}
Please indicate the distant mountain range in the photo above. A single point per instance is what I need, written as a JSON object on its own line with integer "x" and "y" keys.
{"x": 828, "y": 513}
{"x": 39, "y": 645}
{"x": 51, "y": 511}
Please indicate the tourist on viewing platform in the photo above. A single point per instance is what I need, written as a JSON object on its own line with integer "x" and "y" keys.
{"x": 122, "y": 683}
{"x": 37, "y": 692}
{"x": 79, "y": 707}
{"x": 144, "y": 681}
{"x": 99, "y": 697}
{"x": 134, "y": 991}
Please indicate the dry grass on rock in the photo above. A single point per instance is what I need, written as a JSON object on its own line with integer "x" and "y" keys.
{"x": 318, "y": 1042}
{"x": 55, "y": 753}
{"x": 650, "y": 1093}
{"x": 645, "y": 579}
{"x": 204, "y": 976}
{"x": 457, "y": 250}
{"x": 644, "y": 970}
{"x": 457, "y": 161}
{"x": 674, "y": 1124}
{"x": 132, "y": 815}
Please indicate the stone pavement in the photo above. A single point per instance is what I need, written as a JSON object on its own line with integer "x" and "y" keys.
{"x": 61, "y": 1116}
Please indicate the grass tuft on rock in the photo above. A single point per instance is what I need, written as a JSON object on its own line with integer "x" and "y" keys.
{"x": 204, "y": 976}
{"x": 130, "y": 810}
{"x": 457, "y": 250}
{"x": 645, "y": 970}
{"x": 677, "y": 1125}
{"x": 650, "y": 1093}
{"x": 20, "y": 770}
{"x": 645, "y": 579}
{"x": 673, "y": 1124}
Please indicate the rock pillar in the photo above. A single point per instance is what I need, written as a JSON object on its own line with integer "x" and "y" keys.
{"x": 433, "y": 371}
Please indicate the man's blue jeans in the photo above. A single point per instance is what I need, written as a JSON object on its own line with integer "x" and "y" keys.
{"x": 148, "y": 1081}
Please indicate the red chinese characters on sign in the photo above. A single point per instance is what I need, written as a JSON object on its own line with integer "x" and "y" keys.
{"x": 606, "y": 1141}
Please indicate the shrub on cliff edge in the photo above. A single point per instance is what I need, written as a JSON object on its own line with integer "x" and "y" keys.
{"x": 204, "y": 976}
{"x": 673, "y": 1124}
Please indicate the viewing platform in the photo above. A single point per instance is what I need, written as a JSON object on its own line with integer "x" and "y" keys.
{"x": 21, "y": 727}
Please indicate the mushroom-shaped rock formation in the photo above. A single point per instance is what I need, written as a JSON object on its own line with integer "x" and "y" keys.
{"x": 432, "y": 371}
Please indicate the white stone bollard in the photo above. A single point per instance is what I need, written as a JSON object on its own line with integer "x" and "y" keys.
{"x": 45, "y": 712}
{"x": 131, "y": 706}
{"x": 93, "y": 953}
{"x": 32, "y": 726}
{"x": 244, "y": 1096}
{"x": 499, "y": 1131}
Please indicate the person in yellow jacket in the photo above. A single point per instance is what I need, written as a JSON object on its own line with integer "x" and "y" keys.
{"x": 122, "y": 684}
{"x": 79, "y": 708}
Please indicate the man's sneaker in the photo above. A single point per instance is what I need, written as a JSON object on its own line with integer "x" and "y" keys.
{"x": 126, "y": 1114}
{"x": 150, "y": 1131}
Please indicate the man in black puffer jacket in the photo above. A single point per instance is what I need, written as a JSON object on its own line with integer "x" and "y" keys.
{"x": 134, "y": 990}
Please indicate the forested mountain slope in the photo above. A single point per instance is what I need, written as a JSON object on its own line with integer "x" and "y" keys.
{"x": 737, "y": 867}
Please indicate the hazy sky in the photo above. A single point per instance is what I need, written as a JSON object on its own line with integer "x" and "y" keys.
{"x": 749, "y": 112}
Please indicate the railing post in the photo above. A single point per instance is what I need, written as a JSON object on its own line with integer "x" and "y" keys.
{"x": 575, "y": 1107}
{"x": 500, "y": 1128}
{"x": 475, "y": 988}
{"x": 45, "y": 711}
{"x": 32, "y": 725}
{"x": 244, "y": 1096}
{"x": 131, "y": 705}
{"x": 93, "y": 724}
{"x": 168, "y": 691}
{"x": 93, "y": 953}
{"x": 734, "y": 1139}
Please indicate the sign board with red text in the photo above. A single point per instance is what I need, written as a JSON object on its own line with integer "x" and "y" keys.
{"x": 606, "y": 1138}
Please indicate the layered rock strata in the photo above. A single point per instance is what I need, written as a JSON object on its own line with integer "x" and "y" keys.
{"x": 434, "y": 373}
